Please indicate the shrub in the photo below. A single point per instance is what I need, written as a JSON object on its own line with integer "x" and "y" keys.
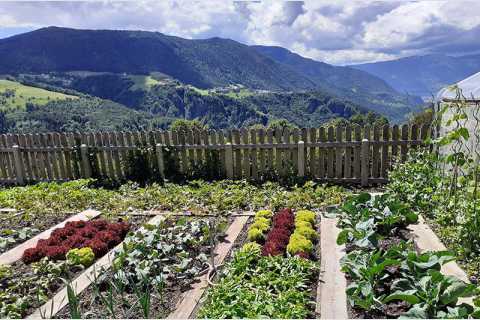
{"x": 299, "y": 243}
{"x": 264, "y": 213}
{"x": 307, "y": 232}
{"x": 83, "y": 256}
{"x": 255, "y": 234}
{"x": 305, "y": 215}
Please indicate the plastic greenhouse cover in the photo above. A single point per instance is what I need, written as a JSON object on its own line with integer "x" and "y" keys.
{"x": 470, "y": 89}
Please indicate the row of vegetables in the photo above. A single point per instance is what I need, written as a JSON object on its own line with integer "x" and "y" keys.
{"x": 29, "y": 283}
{"x": 386, "y": 275}
{"x": 273, "y": 275}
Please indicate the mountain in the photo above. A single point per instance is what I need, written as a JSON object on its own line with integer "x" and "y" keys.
{"x": 349, "y": 83}
{"x": 205, "y": 64}
{"x": 423, "y": 75}
{"x": 146, "y": 102}
{"x": 202, "y": 63}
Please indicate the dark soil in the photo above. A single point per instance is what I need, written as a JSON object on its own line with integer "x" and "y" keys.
{"x": 42, "y": 223}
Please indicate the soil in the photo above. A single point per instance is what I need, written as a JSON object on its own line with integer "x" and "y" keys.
{"x": 22, "y": 270}
{"x": 160, "y": 305}
{"x": 39, "y": 223}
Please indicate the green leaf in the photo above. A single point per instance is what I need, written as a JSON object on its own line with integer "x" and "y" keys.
{"x": 342, "y": 237}
{"x": 418, "y": 311}
{"x": 408, "y": 296}
{"x": 363, "y": 197}
{"x": 464, "y": 133}
{"x": 456, "y": 290}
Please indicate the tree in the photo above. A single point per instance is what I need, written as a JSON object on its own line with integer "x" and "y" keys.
{"x": 281, "y": 124}
{"x": 423, "y": 117}
{"x": 3, "y": 122}
{"x": 184, "y": 125}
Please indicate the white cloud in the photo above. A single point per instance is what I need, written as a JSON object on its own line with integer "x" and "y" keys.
{"x": 341, "y": 57}
{"x": 341, "y": 32}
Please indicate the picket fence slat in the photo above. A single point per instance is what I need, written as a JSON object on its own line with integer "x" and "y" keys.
{"x": 328, "y": 154}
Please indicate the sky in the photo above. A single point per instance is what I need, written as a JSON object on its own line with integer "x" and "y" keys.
{"x": 336, "y": 31}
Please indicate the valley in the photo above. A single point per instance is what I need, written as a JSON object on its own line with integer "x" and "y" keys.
{"x": 154, "y": 79}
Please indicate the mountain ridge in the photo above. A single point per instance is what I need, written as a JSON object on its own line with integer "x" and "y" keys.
{"x": 423, "y": 75}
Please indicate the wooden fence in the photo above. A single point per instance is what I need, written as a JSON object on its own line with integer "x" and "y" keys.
{"x": 359, "y": 155}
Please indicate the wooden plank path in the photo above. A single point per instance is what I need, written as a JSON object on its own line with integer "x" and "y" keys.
{"x": 331, "y": 297}
{"x": 190, "y": 298}
{"x": 426, "y": 240}
{"x": 15, "y": 254}
{"x": 83, "y": 281}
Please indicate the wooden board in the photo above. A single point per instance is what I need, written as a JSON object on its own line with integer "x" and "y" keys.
{"x": 331, "y": 297}
{"x": 16, "y": 253}
{"x": 426, "y": 240}
{"x": 190, "y": 298}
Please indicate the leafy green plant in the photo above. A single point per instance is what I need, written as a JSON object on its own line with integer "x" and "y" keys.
{"x": 83, "y": 256}
{"x": 299, "y": 243}
{"x": 9, "y": 237}
{"x": 434, "y": 295}
{"x": 252, "y": 286}
{"x": 21, "y": 291}
{"x": 73, "y": 302}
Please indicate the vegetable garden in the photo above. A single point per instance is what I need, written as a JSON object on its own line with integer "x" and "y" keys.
{"x": 234, "y": 249}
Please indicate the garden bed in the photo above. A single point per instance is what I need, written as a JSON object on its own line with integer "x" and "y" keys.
{"x": 274, "y": 275}
{"x": 16, "y": 252}
{"x": 387, "y": 277}
{"x": 153, "y": 269}
{"x": 44, "y": 267}
{"x": 16, "y": 227}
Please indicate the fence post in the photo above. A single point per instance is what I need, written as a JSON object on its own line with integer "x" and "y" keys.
{"x": 365, "y": 162}
{"x": 87, "y": 171}
{"x": 18, "y": 165}
{"x": 229, "y": 160}
{"x": 301, "y": 158}
{"x": 161, "y": 167}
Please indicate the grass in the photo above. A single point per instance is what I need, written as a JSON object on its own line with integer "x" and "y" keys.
{"x": 21, "y": 94}
{"x": 203, "y": 92}
{"x": 142, "y": 82}
{"x": 242, "y": 93}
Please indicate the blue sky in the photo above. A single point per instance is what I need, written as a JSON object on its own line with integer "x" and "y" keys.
{"x": 337, "y": 32}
